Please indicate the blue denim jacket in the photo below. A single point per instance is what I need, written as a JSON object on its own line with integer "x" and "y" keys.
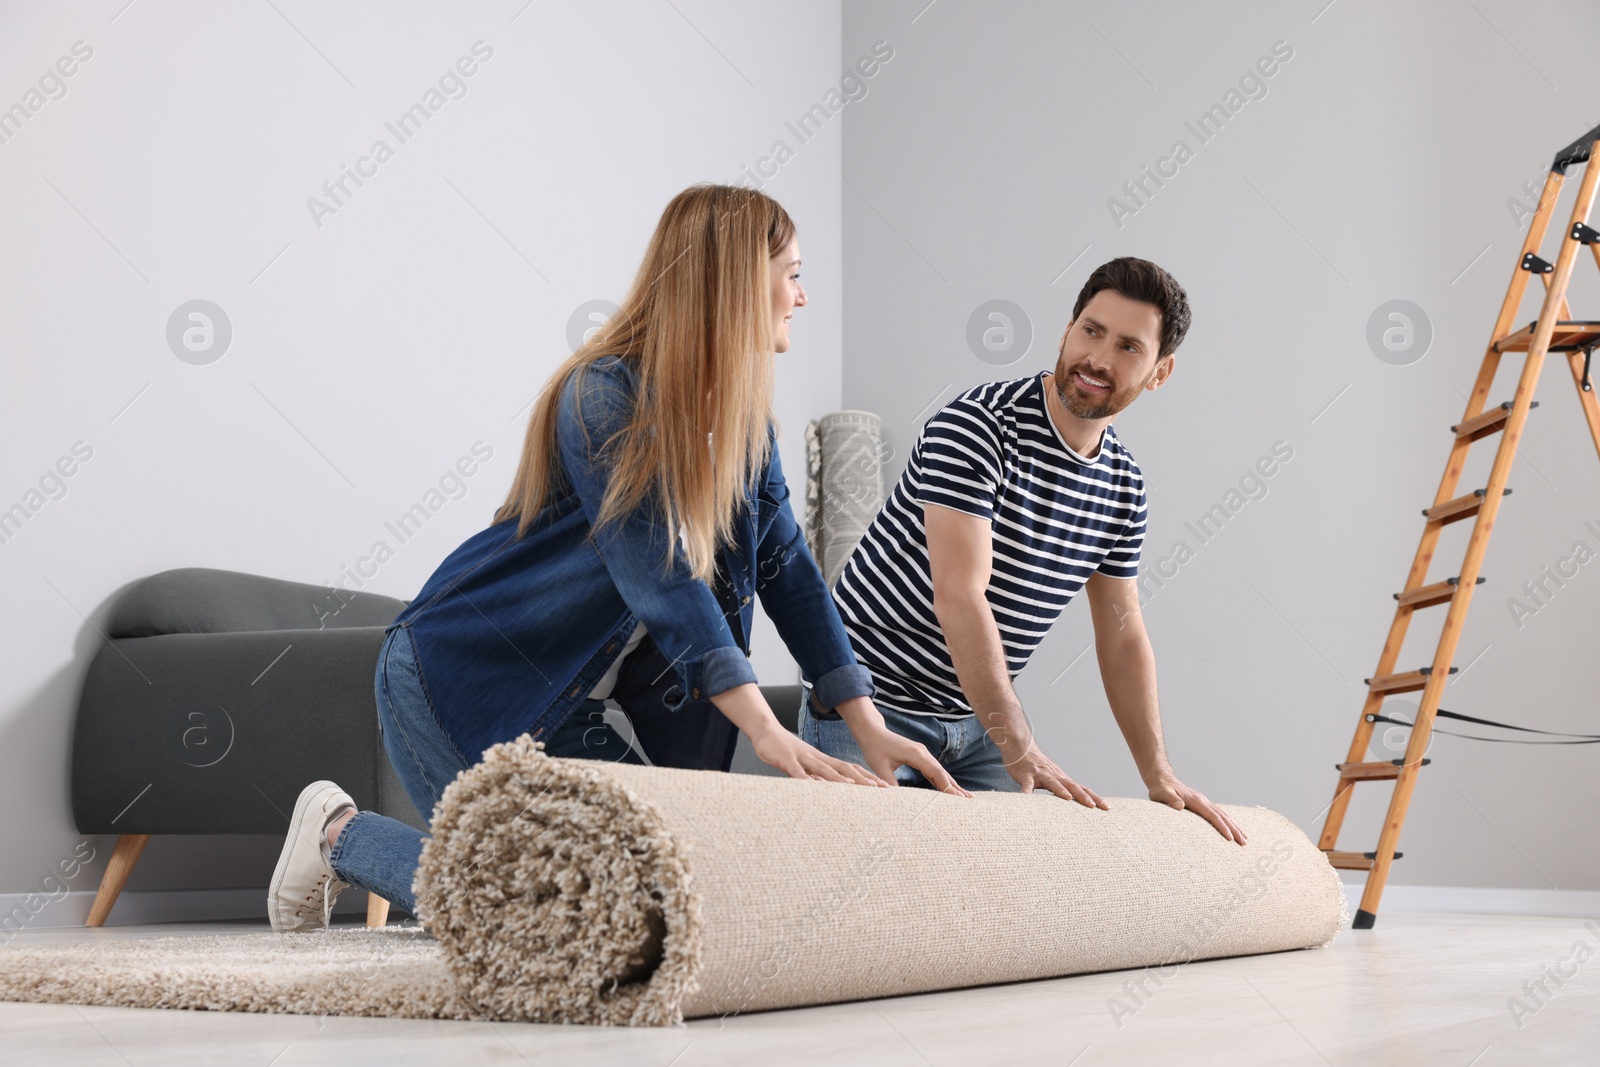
{"x": 511, "y": 635}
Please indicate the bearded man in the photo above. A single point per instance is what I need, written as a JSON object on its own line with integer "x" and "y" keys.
{"x": 1017, "y": 495}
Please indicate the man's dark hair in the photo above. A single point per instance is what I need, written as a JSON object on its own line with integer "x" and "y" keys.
{"x": 1142, "y": 280}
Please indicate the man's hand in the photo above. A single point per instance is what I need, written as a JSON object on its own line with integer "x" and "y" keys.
{"x": 1175, "y": 794}
{"x": 1034, "y": 770}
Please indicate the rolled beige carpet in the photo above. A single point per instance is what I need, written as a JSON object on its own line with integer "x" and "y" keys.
{"x": 572, "y": 891}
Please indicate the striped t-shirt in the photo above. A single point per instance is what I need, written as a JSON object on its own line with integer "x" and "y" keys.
{"x": 1056, "y": 516}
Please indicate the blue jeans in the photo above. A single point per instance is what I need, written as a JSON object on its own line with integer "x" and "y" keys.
{"x": 960, "y": 745}
{"x": 380, "y": 854}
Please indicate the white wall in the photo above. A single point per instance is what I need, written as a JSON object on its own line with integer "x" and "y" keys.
{"x": 368, "y": 352}
{"x": 1378, "y": 166}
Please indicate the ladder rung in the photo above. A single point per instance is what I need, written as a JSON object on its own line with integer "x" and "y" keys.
{"x": 1404, "y": 682}
{"x": 1354, "y": 861}
{"x": 1384, "y": 769}
{"x": 1428, "y": 595}
{"x": 1491, "y": 421}
{"x": 1460, "y": 508}
{"x": 1568, "y": 336}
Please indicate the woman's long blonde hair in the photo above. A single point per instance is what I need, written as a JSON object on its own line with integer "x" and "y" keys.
{"x": 697, "y": 328}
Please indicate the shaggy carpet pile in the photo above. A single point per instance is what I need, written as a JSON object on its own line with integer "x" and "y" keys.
{"x": 570, "y": 891}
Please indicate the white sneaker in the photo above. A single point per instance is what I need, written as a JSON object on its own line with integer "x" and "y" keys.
{"x": 304, "y": 886}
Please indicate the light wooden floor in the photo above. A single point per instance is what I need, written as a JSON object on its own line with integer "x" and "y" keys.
{"x": 1418, "y": 989}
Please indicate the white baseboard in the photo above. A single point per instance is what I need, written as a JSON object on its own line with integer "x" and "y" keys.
{"x": 151, "y": 906}
{"x": 213, "y": 905}
{"x": 1480, "y": 900}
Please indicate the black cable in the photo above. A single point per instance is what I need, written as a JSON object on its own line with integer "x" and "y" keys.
{"x": 1509, "y": 726}
{"x": 1586, "y": 739}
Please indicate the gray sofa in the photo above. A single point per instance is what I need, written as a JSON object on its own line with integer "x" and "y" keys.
{"x": 219, "y": 695}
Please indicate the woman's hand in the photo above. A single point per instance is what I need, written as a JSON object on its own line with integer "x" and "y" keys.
{"x": 747, "y": 709}
{"x": 778, "y": 748}
{"x": 885, "y": 750}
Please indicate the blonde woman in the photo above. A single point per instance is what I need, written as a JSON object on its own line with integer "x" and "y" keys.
{"x": 647, "y": 511}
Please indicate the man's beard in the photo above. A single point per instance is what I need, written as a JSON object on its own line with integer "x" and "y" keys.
{"x": 1107, "y": 406}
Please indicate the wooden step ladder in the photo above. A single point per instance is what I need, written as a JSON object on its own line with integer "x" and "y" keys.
{"x": 1553, "y": 331}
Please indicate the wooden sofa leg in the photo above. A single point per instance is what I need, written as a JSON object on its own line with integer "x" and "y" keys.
{"x": 377, "y": 911}
{"x": 123, "y": 857}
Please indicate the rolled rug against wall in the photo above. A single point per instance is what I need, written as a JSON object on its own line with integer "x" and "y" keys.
{"x": 844, "y": 492}
{"x": 811, "y": 523}
{"x": 569, "y": 891}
